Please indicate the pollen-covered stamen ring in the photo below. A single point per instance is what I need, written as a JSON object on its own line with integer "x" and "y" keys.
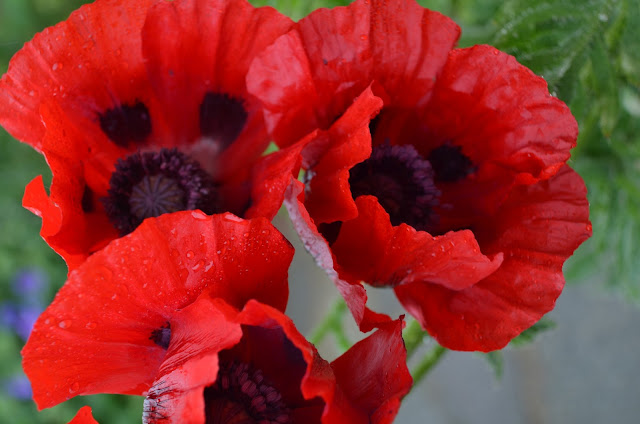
{"x": 402, "y": 181}
{"x": 241, "y": 394}
{"x": 150, "y": 184}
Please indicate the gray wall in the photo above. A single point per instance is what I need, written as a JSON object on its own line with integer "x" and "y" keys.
{"x": 586, "y": 370}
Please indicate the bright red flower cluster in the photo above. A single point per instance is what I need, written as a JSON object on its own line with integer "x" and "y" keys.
{"x": 438, "y": 172}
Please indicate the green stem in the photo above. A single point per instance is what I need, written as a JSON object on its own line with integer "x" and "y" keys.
{"x": 427, "y": 363}
{"x": 332, "y": 324}
{"x": 413, "y": 336}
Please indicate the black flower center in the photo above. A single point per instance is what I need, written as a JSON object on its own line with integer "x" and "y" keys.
{"x": 162, "y": 336}
{"x": 242, "y": 395}
{"x": 126, "y": 123}
{"x": 222, "y": 118}
{"x": 150, "y": 184}
{"x": 401, "y": 180}
{"x": 450, "y": 164}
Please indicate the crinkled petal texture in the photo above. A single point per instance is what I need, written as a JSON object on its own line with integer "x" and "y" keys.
{"x": 309, "y": 76}
{"x": 484, "y": 124}
{"x": 85, "y": 62}
{"x": 108, "y": 328}
{"x": 536, "y": 229}
{"x": 365, "y": 385}
{"x": 84, "y": 417}
{"x": 170, "y": 74}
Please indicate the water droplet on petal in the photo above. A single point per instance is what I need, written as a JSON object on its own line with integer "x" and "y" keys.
{"x": 199, "y": 264}
{"x": 199, "y": 215}
{"x": 64, "y": 324}
{"x": 74, "y": 387}
{"x": 190, "y": 254}
{"x": 232, "y": 218}
{"x": 91, "y": 325}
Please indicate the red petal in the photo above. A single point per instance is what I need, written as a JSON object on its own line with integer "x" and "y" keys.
{"x": 374, "y": 374}
{"x": 70, "y": 230}
{"x": 501, "y": 114}
{"x": 333, "y": 154}
{"x": 193, "y": 47}
{"x": 198, "y": 333}
{"x": 271, "y": 177}
{"x": 84, "y": 56}
{"x": 182, "y": 401}
{"x": 537, "y": 229}
{"x": 370, "y": 249}
{"x": 95, "y": 336}
{"x": 319, "y": 380}
{"x": 83, "y": 416}
{"x": 311, "y": 75}
{"x": 354, "y": 294}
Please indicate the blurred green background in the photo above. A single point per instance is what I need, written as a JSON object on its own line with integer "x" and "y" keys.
{"x": 587, "y": 50}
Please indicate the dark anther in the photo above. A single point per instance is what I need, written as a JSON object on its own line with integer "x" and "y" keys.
{"x": 450, "y": 164}
{"x": 87, "y": 200}
{"x": 127, "y": 123}
{"x": 402, "y": 181}
{"x": 222, "y": 118}
{"x": 150, "y": 184}
{"x": 162, "y": 336}
{"x": 242, "y": 394}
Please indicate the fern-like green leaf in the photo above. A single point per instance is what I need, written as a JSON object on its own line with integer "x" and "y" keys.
{"x": 552, "y": 36}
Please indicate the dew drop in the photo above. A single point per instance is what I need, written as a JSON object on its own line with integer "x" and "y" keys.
{"x": 232, "y": 218}
{"x": 91, "y": 325}
{"x": 190, "y": 254}
{"x": 199, "y": 264}
{"x": 208, "y": 267}
{"x": 64, "y": 324}
{"x": 199, "y": 215}
{"x": 74, "y": 387}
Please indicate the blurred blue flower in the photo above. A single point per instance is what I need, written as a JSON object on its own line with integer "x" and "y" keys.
{"x": 19, "y": 315}
{"x": 18, "y": 387}
{"x": 19, "y": 318}
{"x": 30, "y": 285}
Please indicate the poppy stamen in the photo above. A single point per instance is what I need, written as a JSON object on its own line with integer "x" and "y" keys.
{"x": 403, "y": 182}
{"x": 241, "y": 394}
{"x": 150, "y": 184}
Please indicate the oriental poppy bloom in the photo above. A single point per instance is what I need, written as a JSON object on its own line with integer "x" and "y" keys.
{"x": 434, "y": 171}
{"x": 140, "y": 108}
{"x": 109, "y": 327}
{"x": 253, "y": 366}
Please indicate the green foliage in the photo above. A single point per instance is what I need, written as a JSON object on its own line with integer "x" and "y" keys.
{"x": 589, "y": 53}
{"x": 495, "y": 360}
{"x": 297, "y": 9}
{"x": 530, "y": 334}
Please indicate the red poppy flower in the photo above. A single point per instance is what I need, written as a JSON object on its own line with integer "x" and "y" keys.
{"x": 456, "y": 193}
{"x": 146, "y": 112}
{"x": 83, "y": 416}
{"x": 225, "y": 365}
{"x": 109, "y": 327}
